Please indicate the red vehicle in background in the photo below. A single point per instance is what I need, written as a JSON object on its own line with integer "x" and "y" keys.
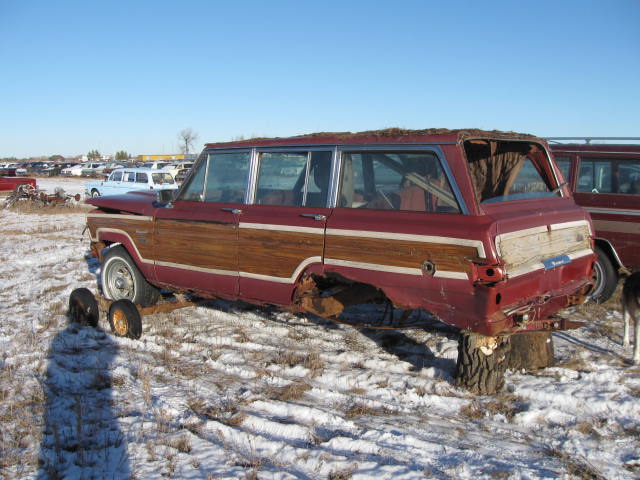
{"x": 9, "y": 184}
{"x": 605, "y": 180}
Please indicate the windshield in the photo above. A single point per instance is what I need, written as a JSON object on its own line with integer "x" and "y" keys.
{"x": 507, "y": 170}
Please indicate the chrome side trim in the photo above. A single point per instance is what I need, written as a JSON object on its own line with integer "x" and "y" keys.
{"x": 119, "y": 215}
{"x": 393, "y": 269}
{"x": 282, "y": 228}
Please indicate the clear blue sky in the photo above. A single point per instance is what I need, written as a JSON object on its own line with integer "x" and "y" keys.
{"x": 129, "y": 75}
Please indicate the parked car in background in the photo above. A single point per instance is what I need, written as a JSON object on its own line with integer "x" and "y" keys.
{"x": 74, "y": 171}
{"x": 605, "y": 180}
{"x": 174, "y": 168}
{"x": 9, "y": 170}
{"x": 155, "y": 165}
{"x": 123, "y": 180}
{"x": 92, "y": 169}
{"x": 473, "y": 227}
{"x": 31, "y": 168}
{"x": 107, "y": 168}
{"x": 9, "y": 184}
{"x": 54, "y": 170}
{"x": 182, "y": 175}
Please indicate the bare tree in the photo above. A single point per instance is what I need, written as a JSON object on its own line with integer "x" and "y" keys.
{"x": 187, "y": 138}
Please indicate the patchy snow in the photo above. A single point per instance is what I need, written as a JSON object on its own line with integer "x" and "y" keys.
{"x": 230, "y": 391}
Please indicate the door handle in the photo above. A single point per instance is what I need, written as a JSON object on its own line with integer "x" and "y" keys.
{"x": 235, "y": 211}
{"x": 316, "y": 216}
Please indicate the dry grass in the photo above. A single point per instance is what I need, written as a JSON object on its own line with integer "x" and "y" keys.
{"x": 228, "y": 413}
{"x": 311, "y": 361}
{"x": 24, "y": 206}
{"x": 360, "y": 409}
{"x": 292, "y": 392}
{"x": 577, "y": 467}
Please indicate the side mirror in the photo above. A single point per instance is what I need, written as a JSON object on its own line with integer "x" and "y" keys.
{"x": 166, "y": 196}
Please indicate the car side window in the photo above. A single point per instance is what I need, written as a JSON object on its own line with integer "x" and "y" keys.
{"x": 294, "y": 178}
{"x": 130, "y": 177}
{"x": 142, "y": 177}
{"x": 227, "y": 177}
{"x": 595, "y": 175}
{"x": 410, "y": 181}
{"x": 629, "y": 177}
{"x": 116, "y": 177}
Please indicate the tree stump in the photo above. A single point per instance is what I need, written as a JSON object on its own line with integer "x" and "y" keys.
{"x": 531, "y": 351}
{"x": 478, "y": 371}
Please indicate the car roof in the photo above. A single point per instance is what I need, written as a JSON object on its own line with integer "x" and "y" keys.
{"x": 138, "y": 169}
{"x": 385, "y": 136}
{"x": 595, "y": 148}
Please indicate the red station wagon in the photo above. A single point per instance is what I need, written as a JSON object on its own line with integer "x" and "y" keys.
{"x": 605, "y": 179}
{"x": 471, "y": 226}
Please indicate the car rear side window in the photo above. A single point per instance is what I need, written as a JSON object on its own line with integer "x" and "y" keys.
{"x": 294, "y": 178}
{"x": 142, "y": 177}
{"x": 609, "y": 175}
{"x": 410, "y": 181}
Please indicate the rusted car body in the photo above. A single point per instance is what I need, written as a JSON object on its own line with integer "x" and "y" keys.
{"x": 605, "y": 180}
{"x": 474, "y": 227}
{"x": 9, "y": 184}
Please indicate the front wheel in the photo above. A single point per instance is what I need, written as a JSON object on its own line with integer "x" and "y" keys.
{"x": 605, "y": 278}
{"x": 95, "y": 193}
{"x": 121, "y": 279}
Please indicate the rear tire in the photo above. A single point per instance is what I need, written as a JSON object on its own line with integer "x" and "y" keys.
{"x": 125, "y": 320}
{"x": 83, "y": 308}
{"x": 121, "y": 279}
{"x": 605, "y": 278}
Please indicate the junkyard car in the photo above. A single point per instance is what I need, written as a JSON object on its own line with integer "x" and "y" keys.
{"x": 9, "y": 184}
{"x": 474, "y": 227}
{"x": 124, "y": 180}
{"x": 605, "y": 179}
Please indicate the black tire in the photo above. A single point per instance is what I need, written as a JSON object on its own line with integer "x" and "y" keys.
{"x": 95, "y": 193}
{"x": 125, "y": 320}
{"x": 121, "y": 279}
{"x": 477, "y": 372}
{"x": 83, "y": 308}
{"x": 605, "y": 278}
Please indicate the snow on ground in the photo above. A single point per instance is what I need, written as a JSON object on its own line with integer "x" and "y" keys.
{"x": 231, "y": 391}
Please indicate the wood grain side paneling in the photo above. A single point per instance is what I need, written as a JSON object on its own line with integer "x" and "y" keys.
{"x": 139, "y": 231}
{"x": 396, "y": 253}
{"x": 276, "y": 253}
{"x": 201, "y": 244}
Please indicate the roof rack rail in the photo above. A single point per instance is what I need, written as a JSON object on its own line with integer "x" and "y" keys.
{"x": 587, "y": 140}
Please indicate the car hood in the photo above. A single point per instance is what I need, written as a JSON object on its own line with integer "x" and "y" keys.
{"x": 140, "y": 203}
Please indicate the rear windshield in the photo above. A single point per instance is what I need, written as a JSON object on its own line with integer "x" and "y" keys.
{"x": 505, "y": 170}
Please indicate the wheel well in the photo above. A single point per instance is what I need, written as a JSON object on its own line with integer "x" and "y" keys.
{"x": 611, "y": 253}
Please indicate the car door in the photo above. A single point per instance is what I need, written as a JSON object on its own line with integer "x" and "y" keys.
{"x": 282, "y": 232}
{"x": 608, "y": 187}
{"x": 397, "y": 224}
{"x": 196, "y": 236}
